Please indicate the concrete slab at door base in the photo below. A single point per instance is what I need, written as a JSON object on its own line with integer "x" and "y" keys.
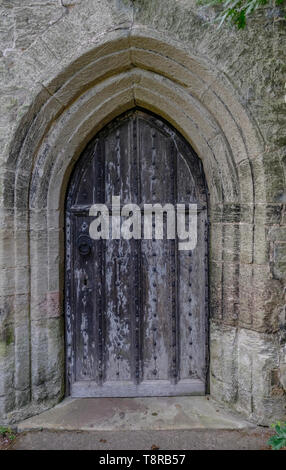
{"x": 119, "y": 414}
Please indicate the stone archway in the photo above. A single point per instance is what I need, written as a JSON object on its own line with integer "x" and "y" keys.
{"x": 148, "y": 70}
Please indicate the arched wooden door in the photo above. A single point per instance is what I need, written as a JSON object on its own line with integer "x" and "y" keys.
{"x": 136, "y": 310}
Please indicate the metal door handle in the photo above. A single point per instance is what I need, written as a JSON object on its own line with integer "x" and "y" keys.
{"x": 84, "y": 244}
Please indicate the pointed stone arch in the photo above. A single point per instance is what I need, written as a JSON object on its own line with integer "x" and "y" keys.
{"x": 147, "y": 69}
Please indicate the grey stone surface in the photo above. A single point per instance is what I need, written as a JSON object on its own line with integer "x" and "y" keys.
{"x": 118, "y": 414}
{"x": 69, "y": 67}
{"x": 180, "y": 440}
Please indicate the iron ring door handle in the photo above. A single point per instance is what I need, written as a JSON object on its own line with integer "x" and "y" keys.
{"x": 84, "y": 244}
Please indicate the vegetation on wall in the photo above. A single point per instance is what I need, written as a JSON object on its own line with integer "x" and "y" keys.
{"x": 278, "y": 441}
{"x": 238, "y": 11}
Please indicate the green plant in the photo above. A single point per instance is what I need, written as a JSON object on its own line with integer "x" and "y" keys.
{"x": 279, "y": 439}
{"x": 237, "y": 11}
{"x": 7, "y": 432}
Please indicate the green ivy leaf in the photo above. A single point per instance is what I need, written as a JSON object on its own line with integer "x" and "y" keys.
{"x": 279, "y": 439}
{"x": 276, "y": 442}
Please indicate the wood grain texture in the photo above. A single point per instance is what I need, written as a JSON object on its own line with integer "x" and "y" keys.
{"x": 136, "y": 310}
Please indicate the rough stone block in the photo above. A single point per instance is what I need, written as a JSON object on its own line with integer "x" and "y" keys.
{"x": 216, "y": 241}
{"x": 7, "y": 369}
{"x": 6, "y": 29}
{"x": 216, "y": 212}
{"x": 279, "y": 262}
{"x": 260, "y": 298}
{"x": 230, "y": 299}
{"x": 22, "y": 358}
{"x": 269, "y": 214}
{"x": 246, "y": 243}
{"x": 245, "y": 181}
{"x": 216, "y": 290}
{"x": 231, "y": 242}
{"x": 47, "y": 359}
{"x": 261, "y": 252}
{"x": 32, "y": 21}
{"x": 223, "y": 345}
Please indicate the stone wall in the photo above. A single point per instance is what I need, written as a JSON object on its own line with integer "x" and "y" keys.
{"x": 67, "y": 68}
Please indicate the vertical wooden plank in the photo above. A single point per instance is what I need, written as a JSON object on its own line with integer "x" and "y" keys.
{"x": 158, "y": 279}
{"x": 84, "y": 279}
{"x": 192, "y": 275}
{"x": 136, "y": 314}
{"x": 87, "y": 176}
{"x": 121, "y": 259}
{"x": 87, "y": 272}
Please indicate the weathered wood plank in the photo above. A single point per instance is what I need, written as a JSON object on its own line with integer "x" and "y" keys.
{"x": 145, "y": 389}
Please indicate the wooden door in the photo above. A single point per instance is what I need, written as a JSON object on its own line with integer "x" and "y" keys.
{"x": 136, "y": 310}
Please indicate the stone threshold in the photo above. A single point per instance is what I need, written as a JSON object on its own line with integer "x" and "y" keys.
{"x": 148, "y": 413}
